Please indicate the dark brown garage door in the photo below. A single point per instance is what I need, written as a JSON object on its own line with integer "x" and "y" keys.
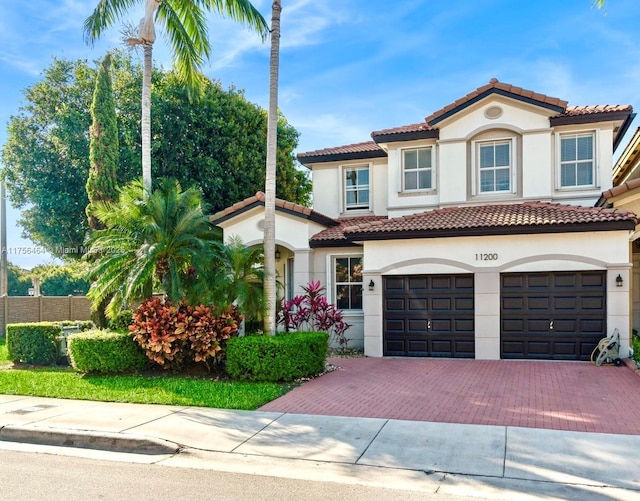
{"x": 428, "y": 316}
{"x": 560, "y": 315}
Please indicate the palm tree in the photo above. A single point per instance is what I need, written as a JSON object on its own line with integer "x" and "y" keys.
{"x": 164, "y": 236}
{"x": 184, "y": 22}
{"x": 237, "y": 278}
{"x": 270, "y": 178}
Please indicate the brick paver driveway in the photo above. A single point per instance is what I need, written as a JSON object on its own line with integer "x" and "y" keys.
{"x": 574, "y": 396}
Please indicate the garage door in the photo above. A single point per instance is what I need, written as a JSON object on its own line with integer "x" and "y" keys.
{"x": 428, "y": 316}
{"x": 560, "y": 315}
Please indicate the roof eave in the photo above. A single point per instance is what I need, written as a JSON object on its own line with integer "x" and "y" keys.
{"x": 341, "y": 157}
{"x": 312, "y": 216}
{"x": 503, "y": 230}
{"x": 488, "y": 92}
{"x": 394, "y": 137}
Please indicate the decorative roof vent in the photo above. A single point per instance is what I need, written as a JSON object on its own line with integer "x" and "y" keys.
{"x": 493, "y": 112}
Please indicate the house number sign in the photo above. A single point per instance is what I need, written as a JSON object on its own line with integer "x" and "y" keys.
{"x": 488, "y": 256}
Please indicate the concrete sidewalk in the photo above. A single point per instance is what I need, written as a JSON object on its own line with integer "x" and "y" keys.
{"x": 459, "y": 459}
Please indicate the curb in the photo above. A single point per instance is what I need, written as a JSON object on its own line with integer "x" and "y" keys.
{"x": 85, "y": 439}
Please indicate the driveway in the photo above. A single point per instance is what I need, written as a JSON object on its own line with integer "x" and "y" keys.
{"x": 572, "y": 396}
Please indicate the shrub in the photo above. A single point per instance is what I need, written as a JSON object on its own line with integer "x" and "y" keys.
{"x": 33, "y": 343}
{"x": 172, "y": 336}
{"x": 277, "y": 358}
{"x": 313, "y": 312}
{"x": 105, "y": 352}
{"x": 636, "y": 348}
{"x": 122, "y": 321}
{"x": 83, "y": 325}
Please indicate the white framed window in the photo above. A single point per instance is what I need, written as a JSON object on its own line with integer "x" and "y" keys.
{"x": 417, "y": 169}
{"x": 494, "y": 160}
{"x": 348, "y": 282}
{"x": 577, "y": 154}
{"x": 356, "y": 187}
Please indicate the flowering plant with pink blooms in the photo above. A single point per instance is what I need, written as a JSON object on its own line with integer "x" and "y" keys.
{"x": 313, "y": 312}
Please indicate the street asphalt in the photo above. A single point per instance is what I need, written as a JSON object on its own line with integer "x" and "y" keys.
{"x": 493, "y": 462}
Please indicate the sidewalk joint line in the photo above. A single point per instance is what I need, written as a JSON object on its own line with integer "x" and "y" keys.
{"x": 258, "y": 432}
{"x": 372, "y": 440}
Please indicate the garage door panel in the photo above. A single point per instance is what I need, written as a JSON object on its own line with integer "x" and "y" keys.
{"x": 464, "y": 304}
{"x": 417, "y": 284}
{"x": 417, "y": 305}
{"x": 537, "y": 303}
{"x": 418, "y": 348}
{"x": 562, "y": 314}
{"x": 394, "y": 304}
{"x": 595, "y": 304}
{"x": 441, "y": 304}
{"x": 512, "y": 303}
{"x": 464, "y": 326}
{"x": 417, "y": 325}
{"x": 394, "y": 325}
{"x": 429, "y": 315}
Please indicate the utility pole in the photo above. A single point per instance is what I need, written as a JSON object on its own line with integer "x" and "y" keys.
{"x": 3, "y": 241}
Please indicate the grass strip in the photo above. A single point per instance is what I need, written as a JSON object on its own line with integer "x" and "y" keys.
{"x": 169, "y": 390}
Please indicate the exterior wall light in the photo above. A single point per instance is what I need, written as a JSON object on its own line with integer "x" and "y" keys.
{"x": 619, "y": 281}
{"x": 371, "y": 285}
{"x": 277, "y": 254}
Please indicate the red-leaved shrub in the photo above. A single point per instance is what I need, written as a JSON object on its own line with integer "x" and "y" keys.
{"x": 175, "y": 335}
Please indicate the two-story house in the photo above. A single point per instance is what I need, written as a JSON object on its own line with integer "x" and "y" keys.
{"x": 471, "y": 234}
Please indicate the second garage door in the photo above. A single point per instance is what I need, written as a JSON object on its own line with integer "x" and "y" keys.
{"x": 559, "y": 315}
{"x": 429, "y": 315}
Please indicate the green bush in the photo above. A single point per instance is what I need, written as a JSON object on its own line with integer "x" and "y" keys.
{"x": 33, "y": 343}
{"x": 83, "y": 325}
{"x": 105, "y": 352}
{"x": 284, "y": 357}
{"x": 122, "y": 321}
{"x": 636, "y": 348}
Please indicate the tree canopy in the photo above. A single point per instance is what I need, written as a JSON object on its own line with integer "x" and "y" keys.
{"x": 217, "y": 145}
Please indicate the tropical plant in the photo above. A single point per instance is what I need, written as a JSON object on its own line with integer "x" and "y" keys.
{"x": 163, "y": 236}
{"x": 184, "y": 22}
{"x": 173, "y": 335}
{"x": 270, "y": 178}
{"x": 237, "y": 277}
{"x": 313, "y": 312}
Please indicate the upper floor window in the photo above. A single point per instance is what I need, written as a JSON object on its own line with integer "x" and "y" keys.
{"x": 348, "y": 283}
{"x": 576, "y": 160}
{"x": 494, "y": 165}
{"x": 356, "y": 187}
{"x": 417, "y": 169}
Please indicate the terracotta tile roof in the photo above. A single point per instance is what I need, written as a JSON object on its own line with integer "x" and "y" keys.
{"x": 362, "y": 150}
{"x": 335, "y": 234}
{"x": 622, "y": 188}
{"x": 283, "y": 205}
{"x": 573, "y": 111}
{"x": 495, "y": 85}
{"x": 483, "y": 219}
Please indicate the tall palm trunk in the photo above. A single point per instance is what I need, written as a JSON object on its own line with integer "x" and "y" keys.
{"x": 146, "y": 115}
{"x": 270, "y": 179}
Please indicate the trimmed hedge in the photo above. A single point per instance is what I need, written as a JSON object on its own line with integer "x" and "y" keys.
{"x": 283, "y": 357}
{"x": 636, "y": 348}
{"x": 33, "y": 343}
{"x": 122, "y": 321}
{"x": 105, "y": 352}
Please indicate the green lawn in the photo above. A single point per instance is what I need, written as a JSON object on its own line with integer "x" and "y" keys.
{"x": 162, "y": 389}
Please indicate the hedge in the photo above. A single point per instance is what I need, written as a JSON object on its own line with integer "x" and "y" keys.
{"x": 636, "y": 348}
{"x": 34, "y": 343}
{"x": 283, "y": 357}
{"x": 105, "y": 352}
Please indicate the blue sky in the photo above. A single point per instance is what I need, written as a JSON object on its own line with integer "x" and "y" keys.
{"x": 349, "y": 67}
